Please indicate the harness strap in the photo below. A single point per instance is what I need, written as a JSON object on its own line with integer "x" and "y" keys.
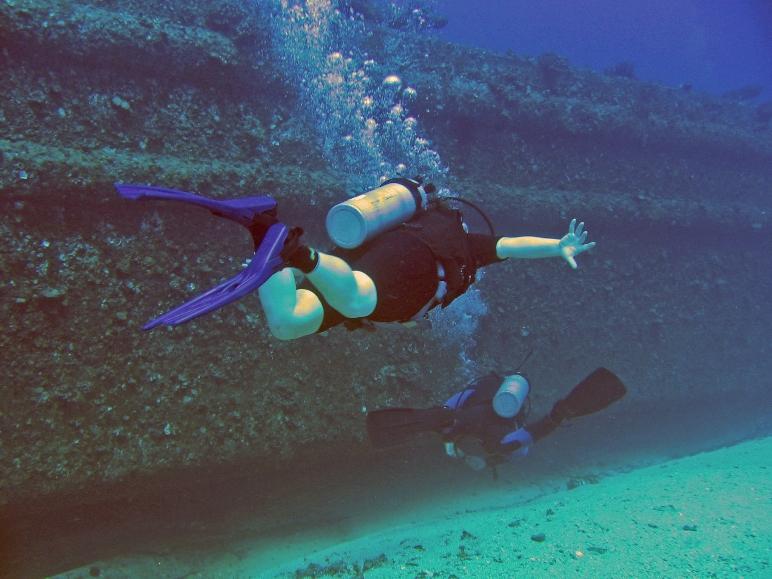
{"x": 437, "y": 298}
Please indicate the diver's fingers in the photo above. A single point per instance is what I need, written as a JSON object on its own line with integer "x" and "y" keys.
{"x": 571, "y": 261}
{"x": 582, "y": 238}
{"x": 572, "y": 226}
{"x": 583, "y": 248}
{"x": 579, "y": 229}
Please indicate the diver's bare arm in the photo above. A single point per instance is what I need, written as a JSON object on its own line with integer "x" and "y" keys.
{"x": 527, "y": 247}
{"x": 568, "y": 247}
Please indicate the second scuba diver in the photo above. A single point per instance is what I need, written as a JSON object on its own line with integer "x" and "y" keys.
{"x": 398, "y": 255}
{"x": 491, "y": 415}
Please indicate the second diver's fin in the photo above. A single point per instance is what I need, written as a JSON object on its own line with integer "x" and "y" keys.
{"x": 597, "y": 391}
{"x": 393, "y": 426}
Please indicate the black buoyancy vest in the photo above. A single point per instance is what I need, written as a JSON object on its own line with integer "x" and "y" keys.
{"x": 442, "y": 230}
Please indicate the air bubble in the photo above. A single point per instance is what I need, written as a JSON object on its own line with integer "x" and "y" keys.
{"x": 392, "y": 81}
{"x": 361, "y": 120}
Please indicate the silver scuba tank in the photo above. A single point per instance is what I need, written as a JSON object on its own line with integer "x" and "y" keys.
{"x": 352, "y": 222}
{"x": 511, "y": 395}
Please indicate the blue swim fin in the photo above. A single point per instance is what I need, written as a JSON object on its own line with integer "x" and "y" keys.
{"x": 243, "y": 210}
{"x": 269, "y": 236}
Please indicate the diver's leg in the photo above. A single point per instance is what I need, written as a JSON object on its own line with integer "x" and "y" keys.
{"x": 352, "y": 293}
{"x": 291, "y": 312}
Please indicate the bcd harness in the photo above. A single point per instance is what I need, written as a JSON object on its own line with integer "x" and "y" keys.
{"x": 441, "y": 229}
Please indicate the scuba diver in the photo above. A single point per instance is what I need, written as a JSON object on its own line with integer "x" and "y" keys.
{"x": 398, "y": 254}
{"x": 491, "y": 414}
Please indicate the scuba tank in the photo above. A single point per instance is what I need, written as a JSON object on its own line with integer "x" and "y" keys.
{"x": 511, "y": 395}
{"x": 352, "y": 222}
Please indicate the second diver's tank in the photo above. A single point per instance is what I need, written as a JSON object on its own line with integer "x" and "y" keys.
{"x": 352, "y": 222}
{"x": 511, "y": 395}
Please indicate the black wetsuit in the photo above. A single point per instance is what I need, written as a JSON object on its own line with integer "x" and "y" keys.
{"x": 403, "y": 265}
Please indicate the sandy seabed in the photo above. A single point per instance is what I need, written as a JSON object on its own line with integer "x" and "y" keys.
{"x": 706, "y": 515}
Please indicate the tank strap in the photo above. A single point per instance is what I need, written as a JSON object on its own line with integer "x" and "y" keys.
{"x": 416, "y": 190}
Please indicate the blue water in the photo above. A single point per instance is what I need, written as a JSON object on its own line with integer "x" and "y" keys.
{"x": 714, "y": 45}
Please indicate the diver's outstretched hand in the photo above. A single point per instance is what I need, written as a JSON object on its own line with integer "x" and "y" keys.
{"x": 573, "y": 243}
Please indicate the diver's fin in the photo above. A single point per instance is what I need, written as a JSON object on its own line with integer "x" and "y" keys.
{"x": 243, "y": 210}
{"x": 597, "y": 391}
{"x": 393, "y": 426}
{"x": 258, "y": 214}
{"x": 266, "y": 261}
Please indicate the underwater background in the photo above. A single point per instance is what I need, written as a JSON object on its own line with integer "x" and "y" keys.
{"x": 213, "y": 449}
